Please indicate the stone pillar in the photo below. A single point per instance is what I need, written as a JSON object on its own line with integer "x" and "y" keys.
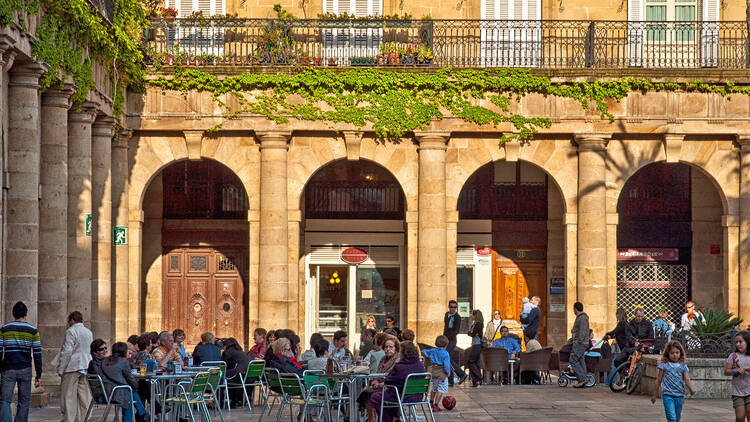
{"x": 432, "y": 294}
{"x": 53, "y": 223}
{"x": 412, "y": 254}
{"x": 273, "y": 265}
{"x": 79, "y": 209}
{"x": 744, "y": 229}
{"x": 296, "y": 291}
{"x": 592, "y": 228}
{"x": 24, "y": 144}
{"x": 101, "y": 247}
{"x": 120, "y": 253}
{"x": 7, "y": 56}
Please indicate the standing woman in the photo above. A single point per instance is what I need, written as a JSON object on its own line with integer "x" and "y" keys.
{"x": 476, "y": 324}
{"x": 371, "y": 323}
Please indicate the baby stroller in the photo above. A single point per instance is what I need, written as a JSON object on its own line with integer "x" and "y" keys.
{"x": 599, "y": 350}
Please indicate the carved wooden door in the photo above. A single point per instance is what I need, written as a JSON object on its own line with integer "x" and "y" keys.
{"x": 514, "y": 280}
{"x": 203, "y": 292}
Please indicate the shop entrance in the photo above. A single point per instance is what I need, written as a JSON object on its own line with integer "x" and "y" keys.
{"x": 515, "y": 279}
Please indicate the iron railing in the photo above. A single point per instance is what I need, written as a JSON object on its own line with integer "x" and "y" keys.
{"x": 527, "y": 202}
{"x": 333, "y": 200}
{"x": 449, "y": 43}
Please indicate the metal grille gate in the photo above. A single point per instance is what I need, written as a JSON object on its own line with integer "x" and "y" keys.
{"x": 650, "y": 286}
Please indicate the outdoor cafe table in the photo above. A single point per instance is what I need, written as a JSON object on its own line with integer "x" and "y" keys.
{"x": 163, "y": 379}
{"x": 356, "y": 383}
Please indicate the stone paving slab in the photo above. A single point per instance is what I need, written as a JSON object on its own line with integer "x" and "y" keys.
{"x": 521, "y": 403}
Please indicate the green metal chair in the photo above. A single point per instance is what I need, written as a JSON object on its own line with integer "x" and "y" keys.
{"x": 415, "y": 384}
{"x": 296, "y": 393}
{"x": 336, "y": 392}
{"x": 211, "y": 393}
{"x": 272, "y": 381}
{"x": 223, "y": 383}
{"x": 194, "y": 395}
{"x": 254, "y": 371}
{"x": 99, "y": 396}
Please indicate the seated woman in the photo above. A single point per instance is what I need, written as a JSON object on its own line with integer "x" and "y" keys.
{"x": 206, "y": 350}
{"x": 98, "y": 350}
{"x": 116, "y": 370}
{"x": 409, "y": 364}
{"x": 237, "y": 362}
{"x": 283, "y": 360}
{"x": 390, "y": 355}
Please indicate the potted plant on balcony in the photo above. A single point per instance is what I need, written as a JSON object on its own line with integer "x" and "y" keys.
{"x": 167, "y": 12}
{"x": 424, "y": 55}
{"x": 333, "y": 20}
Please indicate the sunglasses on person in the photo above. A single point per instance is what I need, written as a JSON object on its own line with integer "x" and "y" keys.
{"x": 102, "y": 349}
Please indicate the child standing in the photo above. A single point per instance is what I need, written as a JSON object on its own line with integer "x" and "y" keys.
{"x": 738, "y": 366}
{"x": 672, "y": 380}
{"x": 440, "y": 369}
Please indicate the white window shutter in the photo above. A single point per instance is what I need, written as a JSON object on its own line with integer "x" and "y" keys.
{"x": 186, "y": 8}
{"x": 204, "y": 6}
{"x": 329, "y": 6}
{"x": 502, "y": 9}
{"x": 710, "y": 33}
{"x": 344, "y": 6}
{"x": 377, "y": 7}
{"x": 635, "y": 32}
{"x": 362, "y": 7}
{"x": 534, "y": 10}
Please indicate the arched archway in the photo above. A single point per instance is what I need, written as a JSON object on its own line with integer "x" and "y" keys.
{"x": 354, "y": 255}
{"x": 195, "y": 250}
{"x": 670, "y": 240}
{"x": 511, "y": 244}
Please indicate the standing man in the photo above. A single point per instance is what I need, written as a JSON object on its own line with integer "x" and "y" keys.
{"x": 452, "y": 323}
{"x": 21, "y": 343}
{"x": 580, "y": 342}
{"x": 74, "y": 360}
{"x": 532, "y": 320}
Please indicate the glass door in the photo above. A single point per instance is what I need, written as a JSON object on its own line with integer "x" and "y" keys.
{"x": 333, "y": 288}
{"x": 377, "y": 294}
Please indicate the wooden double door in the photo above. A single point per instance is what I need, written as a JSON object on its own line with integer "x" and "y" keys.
{"x": 515, "y": 279}
{"x": 203, "y": 292}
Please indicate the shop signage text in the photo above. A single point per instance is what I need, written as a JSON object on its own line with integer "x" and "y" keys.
{"x": 648, "y": 254}
{"x": 354, "y": 255}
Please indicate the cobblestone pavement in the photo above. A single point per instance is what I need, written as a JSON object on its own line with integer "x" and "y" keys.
{"x": 526, "y": 403}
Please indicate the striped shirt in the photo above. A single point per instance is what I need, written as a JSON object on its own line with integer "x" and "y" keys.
{"x": 20, "y": 341}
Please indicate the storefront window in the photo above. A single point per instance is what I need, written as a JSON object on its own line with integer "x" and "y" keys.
{"x": 378, "y": 295}
{"x": 465, "y": 294}
{"x": 333, "y": 287}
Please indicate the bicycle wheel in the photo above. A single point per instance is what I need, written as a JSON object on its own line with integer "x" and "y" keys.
{"x": 620, "y": 380}
{"x": 635, "y": 378}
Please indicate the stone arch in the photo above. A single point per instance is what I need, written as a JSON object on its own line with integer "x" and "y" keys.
{"x": 557, "y": 158}
{"x": 309, "y": 155}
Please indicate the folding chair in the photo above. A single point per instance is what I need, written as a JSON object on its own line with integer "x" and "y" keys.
{"x": 254, "y": 370}
{"x": 99, "y": 395}
{"x": 214, "y": 377}
{"x": 272, "y": 380}
{"x": 194, "y": 395}
{"x": 223, "y": 383}
{"x": 336, "y": 393}
{"x": 415, "y": 384}
{"x": 297, "y": 394}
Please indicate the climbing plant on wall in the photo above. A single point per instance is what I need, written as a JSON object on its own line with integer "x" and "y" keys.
{"x": 71, "y": 35}
{"x": 395, "y": 102}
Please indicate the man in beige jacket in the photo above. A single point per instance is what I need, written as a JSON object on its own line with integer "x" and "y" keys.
{"x": 75, "y": 356}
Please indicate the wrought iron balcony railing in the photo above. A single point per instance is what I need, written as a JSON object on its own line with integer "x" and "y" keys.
{"x": 449, "y": 43}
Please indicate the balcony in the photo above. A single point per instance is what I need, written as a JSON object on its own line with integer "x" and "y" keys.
{"x": 448, "y": 43}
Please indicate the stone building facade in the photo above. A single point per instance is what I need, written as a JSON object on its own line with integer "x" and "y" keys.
{"x": 270, "y": 225}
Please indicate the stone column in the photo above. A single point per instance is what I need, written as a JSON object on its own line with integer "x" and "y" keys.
{"x": 744, "y": 229}
{"x": 79, "y": 209}
{"x": 432, "y": 294}
{"x": 296, "y": 291}
{"x": 120, "y": 253}
{"x": 273, "y": 265}
{"x": 101, "y": 198}
{"x": 53, "y": 222}
{"x": 412, "y": 254}
{"x": 7, "y": 56}
{"x": 592, "y": 228}
{"x": 24, "y": 144}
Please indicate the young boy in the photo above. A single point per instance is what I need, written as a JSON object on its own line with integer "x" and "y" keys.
{"x": 440, "y": 369}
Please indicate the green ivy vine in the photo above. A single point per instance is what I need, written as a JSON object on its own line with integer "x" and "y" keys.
{"x": 396, "y": 102}
{"x": 72, "y": 35}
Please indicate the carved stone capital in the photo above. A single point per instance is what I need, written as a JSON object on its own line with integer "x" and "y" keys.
{"x": 432, "y": 140}
{"x": 104, "y": 126}
{"x": 58, "y": 96}
{"x": 596, "y": 141}
{"x": 83, "y": 113}
{"x": 27, "y": 75}
{"x": 6, "y": 43}
{"x": 123, "y": 139}
{"x": 743, "y": 139}
{"x": 273, "y": 139}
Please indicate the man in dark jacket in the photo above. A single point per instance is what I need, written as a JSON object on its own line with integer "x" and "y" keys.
{"x": 452, "y": 323}
{"x": 641, "y": 327}
{"x": 580, "y": 342}
{"x": 533, "y": 319}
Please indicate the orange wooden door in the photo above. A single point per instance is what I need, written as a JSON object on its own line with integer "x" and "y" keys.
{"x": 203, "y": 292}
{"x": 514, "y": 280}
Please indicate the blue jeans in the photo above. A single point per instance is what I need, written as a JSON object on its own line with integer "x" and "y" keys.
{"x": 127, "y": 412}
{"x": 8, "y": 379}
{"x": 611, "y": 373}
{"x": 672, "y": 407}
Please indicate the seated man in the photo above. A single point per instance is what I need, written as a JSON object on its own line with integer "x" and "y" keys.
{"x": 508, "y": 343}
{"x": 640, "y": 329}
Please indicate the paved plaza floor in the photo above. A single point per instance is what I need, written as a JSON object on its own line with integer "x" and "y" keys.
{"x": 523, "y": 403}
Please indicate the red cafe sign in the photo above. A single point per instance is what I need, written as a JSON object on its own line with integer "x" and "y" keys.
{"x": 648, "y": 254}
{"x": 484, "y": 251}
{"x": 354, "y": 255}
